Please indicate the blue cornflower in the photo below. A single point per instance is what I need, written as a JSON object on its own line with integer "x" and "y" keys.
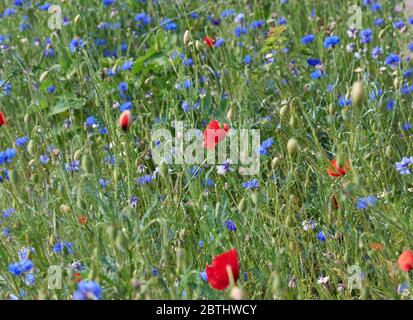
{"x": 247, "y": 59}
{"x": 321, "y": 236}
{"x": 262, "y": 150}
{"x": 376, "y": 52}
{"x": 155, "y": 272}
{"x": 219, "y": 42}
{"x": 404, "y": 166}
{"x": 104, "y": 183}
{"x": 29, "y": 279}
{"x": 239, "y": 31}
{"x": 8, "y": 212}
{"x": 48, "y": 52}
{"x": 390, "y": 104}
{"x": 185, "y": 106}
{"x": 230, "y": 225}
{"x": 398, "y": 24}
{"x": 143, "y": 18}
{"x": 134, "y": 200}
{"x": 257, "y": 24}
{"x": 61, "y": 246}
{"x": 144, "y": 179}
{"x": 204, "y": 276}
{"x": 75, "y": 44}
{"x": 7, "y": 156}
{"x": 331, "y": 42}
{"x": 87, "y": 290}
{"x": 21, "y": 142}
{"x": 169, "y": 25}
{"x": 406, "y": 126}
{"x": 312, "y": 62}
{"x": 281, "y": 21}
{"x": 108, "y": 2}
{"x": 410, "y": 46}
{"x": 51, "y": 89}
{"x": 343, "y": 102}
{"x": 378, "y": 21}
{"x": 227, "y": 13}
{"x": 186, "y": 84}
{"x": 44, "y": 159}
{"x": 123, "y": 87}
{"x": 127, "y": 65}
{"x": 392, "y": 59}
{"x": 408, "y": 73}
{"x": 253, "y": 184}
{"x": 91, "y": 121}
{"x": 366, "y": 202}
{"x": 307, "y": 39}
{"x": 316, "y": 74}
{"x": 126, "y": 106}
{"x": 366, "y": 35}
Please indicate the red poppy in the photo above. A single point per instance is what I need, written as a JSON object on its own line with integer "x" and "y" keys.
{"x": 406, "y": 261}
{"x": 214, "y": 134}
{"x": 125, "y": 120}
{"x": 218, "y": 271}
{"x": 77, "y": 277}
{"x": 83, "y": 219}
{"x": 209, "y": 41}
{"x": 335, "y": 171}
{"x": 2, "y": 119}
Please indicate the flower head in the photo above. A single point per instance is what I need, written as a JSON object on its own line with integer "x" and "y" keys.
{"x": 223, "y": 264}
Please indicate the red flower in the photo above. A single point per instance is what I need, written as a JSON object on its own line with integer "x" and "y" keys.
{"x": 125, "y": 120}
{"x": 209, "y": 41}
{"x": 83, "y": 219}
{"x": 335, "y": 171}
{"x": 2, "y": 119}
{"x": 217, "y": 272}
{"x": 214, "y": 134}
{"x": 406, "y": 261}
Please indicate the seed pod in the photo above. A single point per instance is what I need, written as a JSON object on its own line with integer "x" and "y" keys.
{"x": 198, "y": 45}
{"x": 292, "y": 146}
{"x": 31, "y": 148}
{"x": 43, "y": 76}
{"x": 293, "y": 122}
{"x": 254, "y": 197}
{"x": 275, "y": 162}
{"x": 396, "y": 83}
{"x": 358, "y": 93}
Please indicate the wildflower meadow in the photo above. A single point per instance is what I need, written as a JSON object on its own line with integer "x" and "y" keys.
{"x": 177, "y": 149}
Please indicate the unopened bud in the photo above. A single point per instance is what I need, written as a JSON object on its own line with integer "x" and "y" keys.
{"x": 76, "y": 20}
{"x": 357, "y": 93}
{"x": 292, "y": 146}
{"x": 187, "y": 37}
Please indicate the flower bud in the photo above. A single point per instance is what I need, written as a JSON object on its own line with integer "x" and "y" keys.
{"x": 43, "y": 76}
{"x": 358, "y": 93}
{"x": 65, "y": 209}
{"x": 125, "y": 120}
{"x": 198, "y": 45}
{"x": 76, "y": 20}
{"x": 242, "y": 206}
{"x": 292, "y": 146}
{"x": 230, "y": 114}
{"x": 187, "y": 37}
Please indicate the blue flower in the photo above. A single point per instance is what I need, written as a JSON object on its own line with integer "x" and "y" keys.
{"x": 239, "y": 31}
{"x": 392, "y": 59}
{"x": 403, "y": 167}
{"x": 143, "y": 18}
{"x": 230, "y": 225}
{"x": 331, "y": 42}
{"x": 87, "y": 290}
{"x": 21, "y": 142}
{"x": 75, "y": 44}
{"x": 307, "y": 39}
{"x": 257, "y": 24}
{"x": 316, "y": 74}
{"x": 407, "y": 126}
{"x": 398, "y": 24}
{"x": 61, "y": 246}
{"x": 390, "y": 104}
{"x": 376, "y": 52}
{"x": 253, "y": 184}
{"x": 247, "y": 59}
{"x": 8, "y": 212}
{"x": 366, "y": 35}
{"x": 378, "y": 21}
{"x": 122, "y": 86}
{"x": 108, "y": 2}
{"x": 91, "y": 121}
{"x": 313, "y": 62}
{"x": 321, "y": 236}
{"x": 227, "y": 13}
{"x": 219, "y": 42}
{"x": 155, "y": 272}
{"x": 44, "y": 159}
{"x": 204, "y": 276}
{"x": 169, "y": 25}
{"x": 367, "y": 202}
{"x": 127, "y": 65}
{"x": 144, "y": 179}
{"x": 343, "y": 102}
{"x": 262, "y": 150}
{"x": 51, "y": 89}
{"x": 126, "y": 106}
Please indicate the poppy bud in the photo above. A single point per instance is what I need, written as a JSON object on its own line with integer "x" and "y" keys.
{"x": 43, "y": 76}
{"x": 292, "y": 146}
{"x": 242, "y": 206}
{"x": 77, "y": 155}
{"x": 87, "y": 163}
{"x": 198, "y": 45}
{"x": 14, "y": 178}
{"x": 237, "y": 293}
{"x": 275, "y": 162}
{"x": 65, "y": 209}
{"x": 163, "y": 169}
{"x": 396, "y": 83}
{"x": 293, "y": 122}
{"x": 2, "y": 119}
{"x": 405, "y": 261}
{"x": 125, "y": 120}
{"x": 357, "y": 93}
{"x": 187, "y": 37}
{"x": 31, "y": 148}
{"x": 230, "y": 114}
{"x": 76, "y": 20}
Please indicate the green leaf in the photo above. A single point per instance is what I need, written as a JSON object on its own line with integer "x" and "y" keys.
{"x": 67, "y": 103}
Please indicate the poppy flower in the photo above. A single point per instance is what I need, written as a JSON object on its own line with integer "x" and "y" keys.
{"x": 125, "y": 120}
{"x": 335, "y": 171}
{"x": 2, "y": 119}
{"x": 406, "y": 261}
{"x": 214, "y": 134}
{"x": 209, "y": 41}
{"x": 217, "y": 272}
{"x": 83, "y": 219}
